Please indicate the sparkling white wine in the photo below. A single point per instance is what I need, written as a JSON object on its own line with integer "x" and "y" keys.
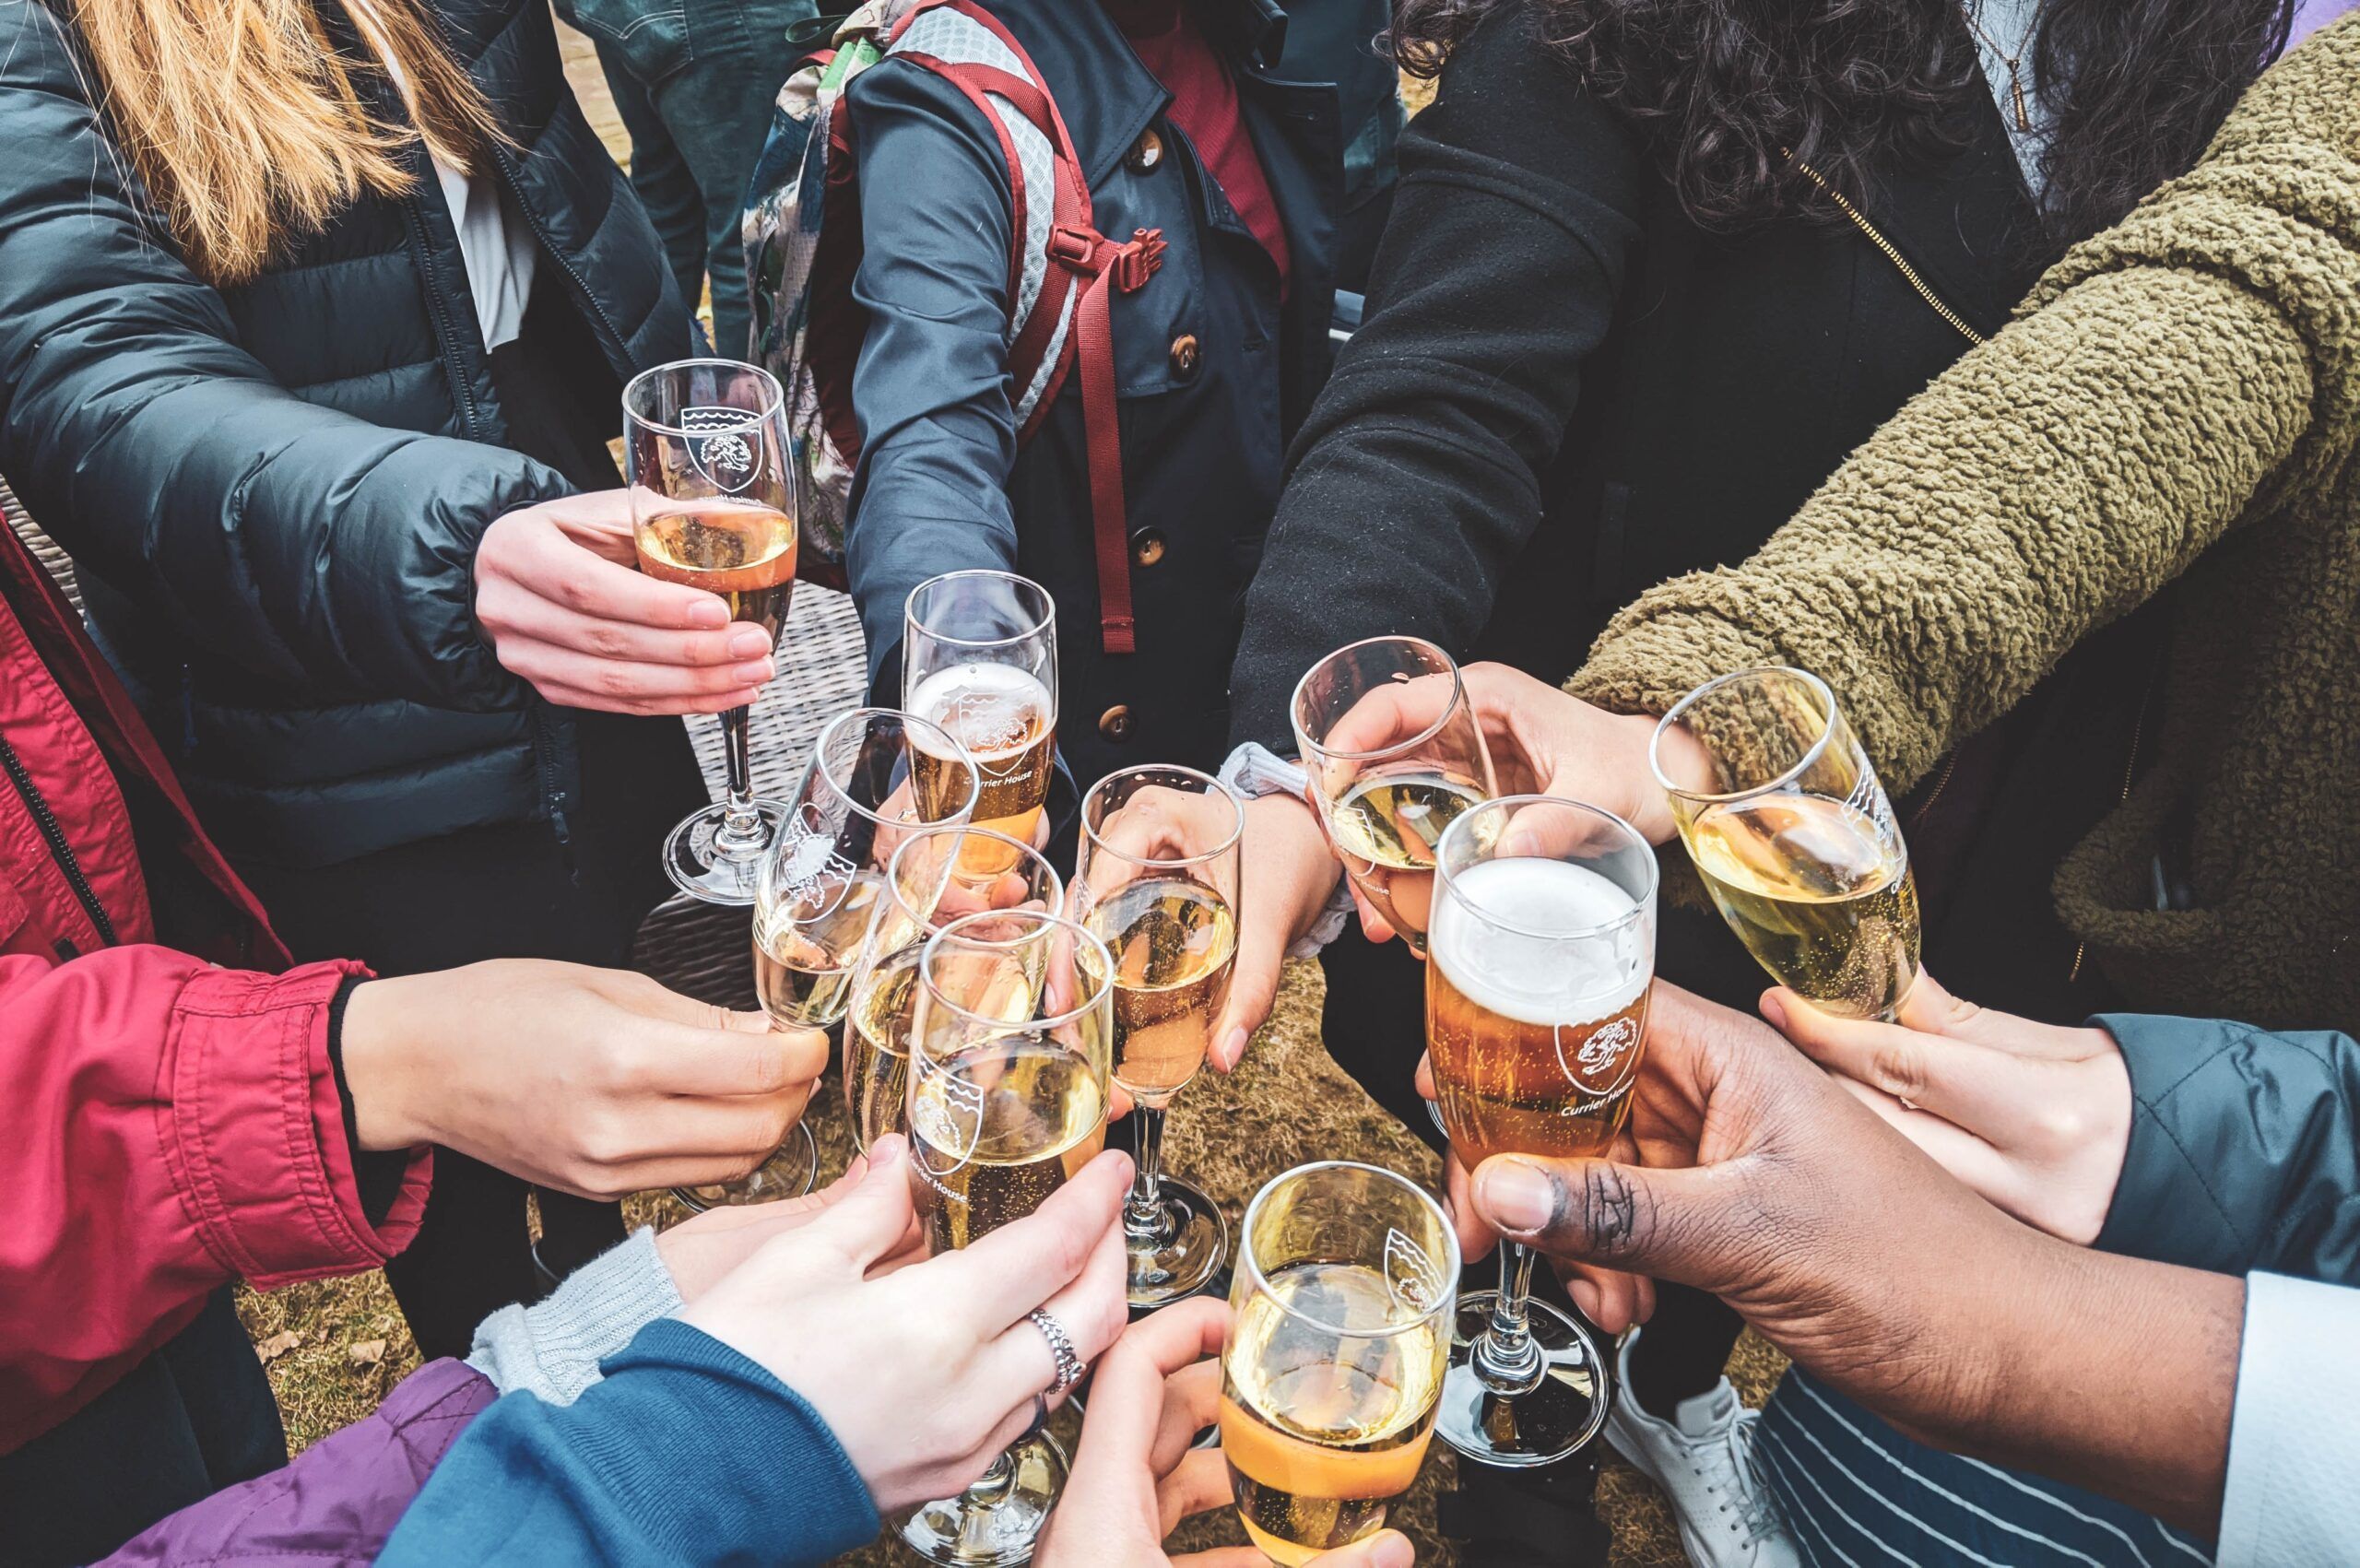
{"x": 1174, "y": 943}
{"x": 877, "y": 1046}
{"x": 1323, "y": 1431}
{"x": 1006, "y": 720}
{"x": 1534, "y": 1043}
{"x": 805, "y": 949}
{"x": 1387, "y": 828}
{"x": 1820, "y": 896}
{"x": 994, "y": 1130}
{"x": 742, "y": 550}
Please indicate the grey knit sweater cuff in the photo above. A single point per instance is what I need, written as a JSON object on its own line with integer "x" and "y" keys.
{"x": 551, "y": 1349}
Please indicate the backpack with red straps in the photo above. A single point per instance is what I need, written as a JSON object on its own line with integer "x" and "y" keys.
{"x": 802, "y": 236}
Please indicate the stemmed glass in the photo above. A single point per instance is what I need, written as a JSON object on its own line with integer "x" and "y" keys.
{"x": 1339, "y": 1335}
{"x": 822, "y": 890}
{"x": 1542, "y": 949}
{"x": 712, "y": 506}
{"x": 1394, "y": 756}
{"x": 1156, "y": 879}
{"x": 925, "y": 887}
{"x": 1010, "y": 1051}
{"x": 1799, "y": 846}
{"x": 979, "y": 657}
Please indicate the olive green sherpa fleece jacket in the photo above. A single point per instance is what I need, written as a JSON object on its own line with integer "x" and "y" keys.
{"x": 2178, "y": 401}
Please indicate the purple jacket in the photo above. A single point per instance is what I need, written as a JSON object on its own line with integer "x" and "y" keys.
{"x": 337, "y": 1502}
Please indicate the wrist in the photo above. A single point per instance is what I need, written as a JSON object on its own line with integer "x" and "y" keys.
{"x": 377, "y": 1068}
{"x": 1680, "y": 762}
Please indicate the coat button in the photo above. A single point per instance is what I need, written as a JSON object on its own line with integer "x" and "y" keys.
{"x": 1184, "y": 355}
{"x": 1147, "y": 546}
{"x": 1115, "y": 724}
{"x": 1146, "y": 152}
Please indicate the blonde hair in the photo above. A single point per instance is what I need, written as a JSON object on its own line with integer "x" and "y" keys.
{"x": 243, "y": 120}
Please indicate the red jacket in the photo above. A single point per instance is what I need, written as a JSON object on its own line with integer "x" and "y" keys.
{"x": 170, "y": 1125}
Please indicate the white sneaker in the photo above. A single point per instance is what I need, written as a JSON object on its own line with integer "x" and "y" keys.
{"x": 1703, "y": 1458}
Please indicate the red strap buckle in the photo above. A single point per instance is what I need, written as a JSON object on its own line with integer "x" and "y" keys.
{"x": 1127, "y": 267}
{"x": 1136, "y": 263}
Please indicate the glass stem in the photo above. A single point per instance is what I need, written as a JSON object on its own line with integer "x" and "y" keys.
{"x": 1143, "y": 1216}
{"x": 741, "y": 825}
{"x": 1505, "y": 1358}
{"x": 992, "y": 1485}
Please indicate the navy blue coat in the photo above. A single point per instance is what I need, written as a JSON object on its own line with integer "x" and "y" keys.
{"x": 274, "y": 491}
{"x": 1212, "y": 375}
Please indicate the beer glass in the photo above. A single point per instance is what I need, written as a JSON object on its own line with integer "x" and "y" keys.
{"x": 712, "y": 506}
{"x": 1798, "y": 845}
{"x": 1339, "y": 1331}
{"x": 925, "y": 889}
{"x": 1010, "y": 1050}
{"x": 822, "y": 890}
{"x": 1156, "y": 879}
{"x": 1395, "y": 755}
{"x": 979, "y": 657}
{"x": 1543, "y": 946}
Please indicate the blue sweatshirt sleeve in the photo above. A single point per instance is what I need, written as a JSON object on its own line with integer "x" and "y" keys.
{"x": 2245, "y": 1149}
{"x": 686, "y": 1453}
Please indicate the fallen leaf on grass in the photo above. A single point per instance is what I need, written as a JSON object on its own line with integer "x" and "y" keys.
{"x": 367, "y": 1352}
{"x": 278, "y": 1345}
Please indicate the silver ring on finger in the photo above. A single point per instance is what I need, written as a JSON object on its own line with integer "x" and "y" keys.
{"x": 1061, "y": 1351}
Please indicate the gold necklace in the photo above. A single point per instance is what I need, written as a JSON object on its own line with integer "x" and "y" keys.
{"x": 2015, "y": 77}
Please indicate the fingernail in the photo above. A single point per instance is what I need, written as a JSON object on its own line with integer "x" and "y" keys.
{"x": 755, "y": 673}
{"x": 1515, "y": 1196}
{"x": 1773, "y": 1011}
{"x": 1232, "y": 1047}
{"x": 1391, "y": 1551}
{"x": 708, "y": 614}
{"x": 750, "y": 644}
{"x": 885, "y": 1151}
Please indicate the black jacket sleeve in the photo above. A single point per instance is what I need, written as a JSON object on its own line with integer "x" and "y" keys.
{"x": 2245, "y": 1149}
{"x": 1416, "y": 480}
{"x": 310, "y": 547}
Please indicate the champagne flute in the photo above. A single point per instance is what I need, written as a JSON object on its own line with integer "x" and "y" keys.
{"x": 1799, "y": 847}
{"x": 822, "y": 890}
{"x": 1543, "y": 947}
{"x": 1395, "y": 755}
{"x": 1010, "y": 1051}
{"x": 925, "y": 887}
{"x": 1339, "y": 1332}
{"x": 1156, "y": 879}
{"x": 712, "y": 506}
{"x": 979, "y": 657}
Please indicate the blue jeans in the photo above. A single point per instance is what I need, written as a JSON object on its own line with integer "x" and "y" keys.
{"x": 707, "y": 71}
{"x": 1856, "y": 1493}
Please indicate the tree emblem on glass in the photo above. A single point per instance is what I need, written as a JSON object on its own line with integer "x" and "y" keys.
{"x": 712, "y": 506}
{"x": 1798, "y": 843}
{"x": 1537, "y": 972}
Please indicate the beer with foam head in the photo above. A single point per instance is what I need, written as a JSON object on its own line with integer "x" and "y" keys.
{"x": 1535, "y": 1038}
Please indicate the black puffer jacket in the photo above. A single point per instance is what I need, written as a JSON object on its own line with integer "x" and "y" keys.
{"x": 288, "y": 480}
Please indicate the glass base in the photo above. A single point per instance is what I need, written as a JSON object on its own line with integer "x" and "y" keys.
{"x": 790, "y": 1172}
{"x": 1558, "y": 1415}
{"x": 1184, "y": 1259}
{"x": 971, "y": 1531}
{"x": 702, "y": 867}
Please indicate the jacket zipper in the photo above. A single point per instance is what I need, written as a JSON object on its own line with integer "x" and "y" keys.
{"x": 59, "y": 850}
{"x": 1949, "y": 766}
{"x": 469, "y": 414}
{"x": 1900, "y": 262}
{"x": 615, "y": 343}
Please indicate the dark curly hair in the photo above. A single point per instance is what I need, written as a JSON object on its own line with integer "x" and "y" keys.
{"x": 1725, "y": 89}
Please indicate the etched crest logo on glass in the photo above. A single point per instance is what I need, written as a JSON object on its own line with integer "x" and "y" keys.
{"x": 1415, "y": 1280}
{"x": 721, "y": 445}
{"x": 1600, "y": 1052}
{"x": 811, "y": 873}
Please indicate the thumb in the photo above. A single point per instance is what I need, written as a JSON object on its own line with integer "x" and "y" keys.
{"x": 872, "y": 1218}
{"x": 1386, "y": 1548}
{"x": 1649, "y": 1222}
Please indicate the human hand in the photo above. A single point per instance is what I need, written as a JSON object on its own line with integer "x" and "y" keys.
{"x": 700, "y": 1251}
{"x": 926, "y": 1374}
{"x": 1285, "y": 881}
{"x": 564, "y": 607}
{"x": 592, "y": 1081}
{"x": 1544, "y": 741}
{"x": 2034, "y": 1117}
{"x": 1135, "y": 1476}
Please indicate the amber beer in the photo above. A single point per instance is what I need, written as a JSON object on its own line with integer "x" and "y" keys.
{"x": 1006, "y": 720}
{"x": 1532, "y": 1054}
{"x": 742, "y": 550}
{"x": 1387, "y": 830}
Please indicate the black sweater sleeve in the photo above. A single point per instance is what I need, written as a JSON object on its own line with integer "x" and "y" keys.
{"x": 1417, "y": 479}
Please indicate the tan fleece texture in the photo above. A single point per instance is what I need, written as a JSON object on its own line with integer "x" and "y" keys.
{"x": 2176, "y": 405}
